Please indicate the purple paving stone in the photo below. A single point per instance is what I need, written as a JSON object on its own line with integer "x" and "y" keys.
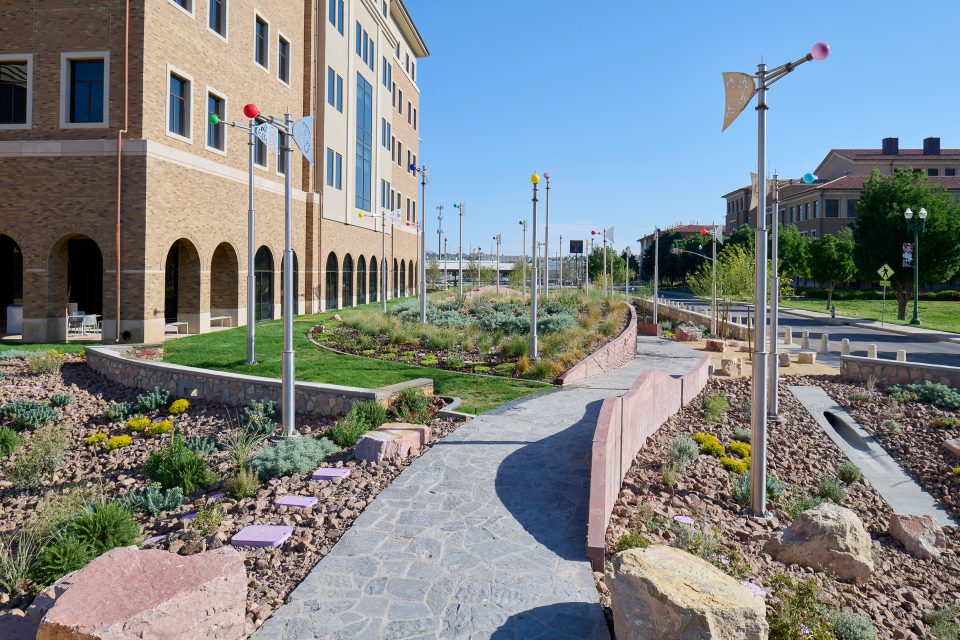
{"x": 189, "y": 516}
{"x": 330, "y": 473}
{"x": 262, "y": 535}
{"x": 215, "y": 496}
{"x": 297, "y": 501}
{"x": 153, "y": 540}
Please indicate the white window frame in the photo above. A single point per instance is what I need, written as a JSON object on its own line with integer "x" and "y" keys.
{"x": 266, "y": 157}
{"x": 28, "y": 58}
{"x": 257, "y": 14}
{"x": 226, "y": 21}
{"x": 289, "y": 141}
{"x": 65, "y": 58}
{"x": 191, "y": 12}
{"x": 226, "y": 110}
{"x": 172, "y": 70}
{"x": 281, "y": 35}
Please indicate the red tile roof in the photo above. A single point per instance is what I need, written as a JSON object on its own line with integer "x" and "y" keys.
{"x": 877, "y": 154}
{"x": 857, "y": 182}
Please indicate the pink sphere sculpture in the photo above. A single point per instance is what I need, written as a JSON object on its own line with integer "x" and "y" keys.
{"x": 820, "y": 51}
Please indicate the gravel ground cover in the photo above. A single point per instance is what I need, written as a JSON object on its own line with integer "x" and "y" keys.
{"x": 902, "y": 589}
{"x": 93, "y": 471}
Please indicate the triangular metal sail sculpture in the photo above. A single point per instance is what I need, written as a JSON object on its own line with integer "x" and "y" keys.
{"x": 303, "y": 136}
{"x": 739, "y": 89}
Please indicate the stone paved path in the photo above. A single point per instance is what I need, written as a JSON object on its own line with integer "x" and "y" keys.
{"x": 481, "y": 537}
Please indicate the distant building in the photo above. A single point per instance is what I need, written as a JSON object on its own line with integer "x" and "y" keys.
{"x": 685, "y": 231}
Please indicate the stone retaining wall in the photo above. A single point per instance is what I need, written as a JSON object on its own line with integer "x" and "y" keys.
{"x": 613, "y": 355}
{"x": 889, "y": 372}
{"x": 623, "y": 426}
{"x": 121, "y": 365}
{"x": 666, "y": 310}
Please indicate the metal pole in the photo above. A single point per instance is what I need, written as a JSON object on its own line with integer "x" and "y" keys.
{"x": 251, "y": 258}
{"x": 446, "y": 274}
{"x": 627, "y": 271}
{"x": 656, "y": 279}
{"x": 758, "y": 421}
{"x": 423, "y": 244}
{"x": 497, "y": 238}
{"x": 289, "y": 382}
{"x": 560, "y": 260}
{"x": 534, "y": 353}
{"x": 546, "y": 240}
{"x": 916, "y": 273}
{"x": 773, "y": 401}
{"x": 586, "y": 262}
{"x": 713, "y": 318}
{"x": 460, "y": 275}
{"x": 383, "y": 262}
{"x": 523, "y": 264}
{"x": 439, "y": 236}
{"x": 605, "y": 292}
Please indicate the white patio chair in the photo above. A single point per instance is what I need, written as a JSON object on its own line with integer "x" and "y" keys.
{"x": 89, "y": 325}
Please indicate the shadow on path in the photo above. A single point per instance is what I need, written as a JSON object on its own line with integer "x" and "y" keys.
{"x": 559, "y": 621}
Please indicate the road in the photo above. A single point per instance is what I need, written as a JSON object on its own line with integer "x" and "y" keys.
{"x": 918, "y": 349}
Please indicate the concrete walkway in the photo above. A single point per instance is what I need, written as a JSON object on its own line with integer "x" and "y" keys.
{"x": 483, "y": 536}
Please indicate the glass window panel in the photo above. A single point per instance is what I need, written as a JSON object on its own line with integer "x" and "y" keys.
{"x": 13, "y": 93}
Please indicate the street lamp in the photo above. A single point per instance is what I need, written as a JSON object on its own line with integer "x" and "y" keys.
{"x": 535, "y": 180}
{"x": 446, "y": 274}
{"x": 627, "y": 270}
{"x": 916, "y": 227}
{"x": 560, "y": 259}
{"x": 439, "y": 237}
{"x": 460, "y": 207}
{"x": 497, "y": 238}
{"x": 546, "y": 239}
{"x": 523, "y": 264}
{"x": 424, "y": 172}
{"x": 387, "y": 216}
{"x": 739, "y": 89}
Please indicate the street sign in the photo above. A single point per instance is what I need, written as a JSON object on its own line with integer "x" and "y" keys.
{"x": 576, "y": 246}
{"x": 884, "y": 283}
{"x": 885, "y": 272}
{"x": 908, "y": 254}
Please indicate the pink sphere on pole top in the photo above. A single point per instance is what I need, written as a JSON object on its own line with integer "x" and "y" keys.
{"x": 251, "y": 110}
{"x": 820, "y": 51}
{"x": 546, "y": 175}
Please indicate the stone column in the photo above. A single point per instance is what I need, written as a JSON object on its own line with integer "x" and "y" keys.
{"x": 845, "y": 347}
{"x": 805, "y": 339}
{"x": 871, "y": 351}
{"x": 901, "y": 355}
{"x": 824, "y": 343}
{"x": 788, "y": 335}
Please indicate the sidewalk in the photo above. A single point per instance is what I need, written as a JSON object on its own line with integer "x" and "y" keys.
{"x": 919, "y": 333}
{"x": 484, "y": 536}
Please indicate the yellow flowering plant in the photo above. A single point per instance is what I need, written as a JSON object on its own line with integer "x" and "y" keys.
{"x": 118, "y": 442}
{"x": 179, "y": 407}
{"x": 96, "y": 438}
{"x": 138, "y": 423}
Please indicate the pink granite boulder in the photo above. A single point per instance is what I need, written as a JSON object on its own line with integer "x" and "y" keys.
{"x": 391, "y": 441}
{"x": 953, "y": 446}
{"x": 921, "y": 536}
{"x": 716, "y": 345}
{"x": 149, "y": 594}
{"x": 686, "y": 333}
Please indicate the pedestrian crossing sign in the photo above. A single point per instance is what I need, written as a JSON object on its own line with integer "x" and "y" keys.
{"x": 885, "y": 272}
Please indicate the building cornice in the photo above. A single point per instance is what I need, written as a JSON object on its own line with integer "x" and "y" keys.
{"x": 408, "y": 29}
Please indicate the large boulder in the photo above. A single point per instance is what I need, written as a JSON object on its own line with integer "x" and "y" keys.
{"x": 391, "y": 441}
{"x": 148, "y": 594}
{"x": 921, "y": 536}
{"x": 716, "y": 345}
{"x": 688, "y": 333}
{"x": 953, "y": 446}
{"x": 827, "y": 538}
{"x": 662, "y": 592}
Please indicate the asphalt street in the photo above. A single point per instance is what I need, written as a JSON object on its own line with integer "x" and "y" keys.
{"x": 918, "y": 349}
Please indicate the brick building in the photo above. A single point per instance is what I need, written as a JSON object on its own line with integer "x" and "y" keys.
{"x": 165, "y": 225}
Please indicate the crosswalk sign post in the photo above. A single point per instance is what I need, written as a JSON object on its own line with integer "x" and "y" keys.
{"x": 885, "y": 272}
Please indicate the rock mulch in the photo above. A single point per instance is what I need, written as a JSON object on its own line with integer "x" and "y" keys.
{"x": 272, "y": 573}
{"x": 901, "y": 590}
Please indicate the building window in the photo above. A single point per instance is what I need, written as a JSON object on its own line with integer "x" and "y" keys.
{"x": 414, "y": 118}
{"x": 400, "y": 101}
{"x": 852, "y": 208}
{"x": 338, "y": 177}
{"x": 186, "y": 5}
{"x": 393, "y": 95}
{"x": 336, "y": 14}
{"x": 816, "y": 209}
{"x": 365, "y": 48}
{"x": 831, "y": 208}
{"x": 283, "y": 60}
{"x": 409, "y": 113}
{"x": 339, "y": 94}
{"x": 950, "y": 171}
{"x": 218, "y": 17}
{"x": 334, "y": 90}
{"x": 261, "y": 49}
{"x": 215, "y": 137}
{"x": 260, "y": 153}
{"x": 386, "y": 75}
{"x": 16, "y": 88}
{"x": 87, "y": 92}
{"x": 364, "y": 143}
{"x": 178, "y": 119}
{"x": 281, "y": 153}
{"x": 413, "y": 71}
{"x": 383, "y": 8}
{"x": 806, "y": 211}
{"x": 329, "y": 167}
{"x": 933, "y": 172}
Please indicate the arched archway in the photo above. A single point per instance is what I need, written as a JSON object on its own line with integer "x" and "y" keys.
{"x": 403, "y": 278}
{"x": 361, "y": 280}
{"x": 75, "y": 278}
{"x": 332, "y": 282}
{"x": 346, "y": 299}
{"x": 411, "y": 277}
{"x": 11, "y": 281}
{"x": 225, "y": 283}
{"x": 181, "y": 302}
{"x": 263, "y": 285}
{"x": 296, "y": 284}
{"x": 374, "y": 280}
{"x": 396, "y": 279}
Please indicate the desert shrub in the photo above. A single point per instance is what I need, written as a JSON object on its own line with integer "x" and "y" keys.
{"x": 505, "y": 369}
{"x": 14, "y": 354}
{"x": 794, "y": 610}
{"x": 733, "y": 465}
{"x": 708, "y": 546}
{"x": 29, "y": 414}
{"x": 177, "y": 466}
{"x": 292, "y": 456}
{"x": 945, "y": 422}
{"x": 709, "y": 444}
{"x": 118, "y": 411}
{"x": 523, "y": 365}
{"x": 429, "y": 360}
{"x": 892, "y": 426}
{"x": 855, "y": 398}
{"x": 454, "y": 361}
{"x": 939, "y": 395}
{"x": 118, "y": 442}
{"x": 179, "y": 407}
{"x": 670, "y": 475}
{"x": 803, "y": 503}
{"x": 740, "y": 449}
{"x": 153, "y": 500}
{"x": 347, "y": 432}
{"x": 104, "y": 526}
{"x": 740, "y": 489}
{"x": 370, "y": 412}
{"x": 138, "y": 423}
{"x": 208, "y": 519}
{"x": 96, "y": 438}
{"x": 258, "y": 416}
{"x": 942, "y": 623}
{"x": 683, "y": 451}
{"x": 564, "y": 321}
{"x": 204, "y": 446}
{"x": 41, "y": 455}
{"x": 60, "y": 400}
{"x": 63, "y": 554}
{"x": 515, "y": 346}
{"x": 545, "y": 370}
{"x": 45, "y": 362}
{"x": 368, "y": 352}
{"x": 847, "y": 626}
{"x": 775, "y": 488}
{"x": 159, "y": 428}
{"x": 411, "y": 406}
{"x": 481, "y": 368}
{"x": 18, "y": 557}
{"x": 10, "y": 441}
{"x": 831, "y": 489}
{"x": 901, "y": 395}
{"x": 715, "y": 406}
{"x": 741, "y": 435}
{"x": 848, "y": 473}
{"x": 242, "y": 484}
{"x": 56, "y": 508}
{"x": 241, "y": 444}
{"x": 631, "y": 541}
{"x": 153, "y": 400}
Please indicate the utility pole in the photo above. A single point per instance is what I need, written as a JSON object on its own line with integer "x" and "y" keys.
{"x": 560, "y": 263}
{"x": 534, "y": 353}
{"x": 439, "y": 237}
{"x": 422, "y": 170}
{"x": 656, "y": 279}
{"x": 523, "y": 264}
{"x": 497, "y": 238}
{"x": 459, "y": 207}
{"x": 773, "y": 399}
{"x": 446, "y": 275}
{"x": 546, "y": 239}
{"x": 586, "y": 261}
{"x": 627, "y": 283}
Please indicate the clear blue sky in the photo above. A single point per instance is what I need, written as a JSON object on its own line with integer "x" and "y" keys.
{"x": 621, "y": 102}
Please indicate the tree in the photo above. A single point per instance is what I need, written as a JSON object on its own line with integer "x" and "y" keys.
{"x": 794, "y": 253}
{"x": 880, "y": 231}
{"x": 831, "y": 261}
{"x": 615, "y": 266}
{"x": 745, "y": 236}
{"x": 519, "y": 275}
{"x": 735, "y": 278}
{"x": 668, "y": 261}
{"x": 433, "y": 272}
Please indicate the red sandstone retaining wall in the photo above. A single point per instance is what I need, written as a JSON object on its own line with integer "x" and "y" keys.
{"x": 623, "y": 426}
{"x": 666, "y": 310}
{"x": 610, "y": 356}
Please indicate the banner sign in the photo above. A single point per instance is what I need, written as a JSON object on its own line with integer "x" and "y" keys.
{"x": 303, "y": 136}
{"x": 908, "y": 254}
{"x": 576, "y": 246}
{"x": 268, "y": 134}
{"x": 738, "y": 90}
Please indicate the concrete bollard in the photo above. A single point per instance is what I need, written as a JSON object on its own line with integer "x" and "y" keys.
{"x": 805, "y": 340}
{"x": 901, "y": 355}
{"x": 871, "y": 351}
{"x": 824, "y": 344}
{"x": 845, "y": 347}
{"x": 788, "y": 335}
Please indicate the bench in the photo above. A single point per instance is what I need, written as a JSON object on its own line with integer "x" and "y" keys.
{"x": 222, "y": 319}
{"x": 174, "y": 327}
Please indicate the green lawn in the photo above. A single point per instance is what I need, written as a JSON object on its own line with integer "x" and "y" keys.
{"x": 226, "y": 351}
{"x": 943, "y": 316}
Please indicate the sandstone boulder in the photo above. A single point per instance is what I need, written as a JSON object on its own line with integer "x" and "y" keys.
{"x": 827, "y": 538}
{"x": 391, "y": 441}
{"x": 729, "y": 367}
{"x": 149, "y": 594}
{"x": 687, "y": 333}
{"x": 662, "y": 592}
{"x": 715, "y": 345}
{"x": 953, "y": 446}
{"x": 783, "y": 359}
{"x": 807, "y": 357}
{"x": 921, "y": 536}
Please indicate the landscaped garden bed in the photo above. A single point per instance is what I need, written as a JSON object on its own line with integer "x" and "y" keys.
{"x": 689, "y": 488}
{"x": 485, "y": 334}
{"x": 87, "y": 465}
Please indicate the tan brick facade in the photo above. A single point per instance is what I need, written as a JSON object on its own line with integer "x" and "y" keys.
{"x": 183, "y": 220}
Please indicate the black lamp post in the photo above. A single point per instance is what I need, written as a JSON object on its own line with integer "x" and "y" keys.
{"x": 916, "y": 227}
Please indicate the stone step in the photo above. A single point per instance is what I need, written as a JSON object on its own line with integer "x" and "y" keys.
{"x": 330, "y": 473}
{"x": 304, "y": 502}
{"x": 262, "y": 535}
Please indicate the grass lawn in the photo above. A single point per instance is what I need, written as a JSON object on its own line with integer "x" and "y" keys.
{"x": 226, "y": 351}
{"x": 72, "y": 347}
{"x": 943, "y": 316}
